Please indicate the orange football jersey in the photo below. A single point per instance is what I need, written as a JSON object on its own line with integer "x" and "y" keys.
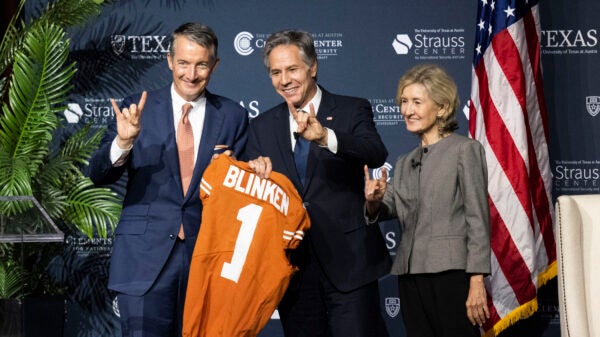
{"x": 240, "y": 269}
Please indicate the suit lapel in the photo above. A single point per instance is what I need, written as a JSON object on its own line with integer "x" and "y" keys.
{"x": 163, "y": 116}
{"x": 213, "y": 123}
{"x": 284, "y": 143}
{"x": 327, "y": 110}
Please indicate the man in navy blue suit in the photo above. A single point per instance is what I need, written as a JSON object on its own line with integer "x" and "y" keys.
{"x": 155, "y": 237}
{"x": 335, "y": 293}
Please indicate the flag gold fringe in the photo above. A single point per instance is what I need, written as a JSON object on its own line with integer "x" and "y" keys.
{"x": 525, "y": 310}
{"x": 548, "y": 274}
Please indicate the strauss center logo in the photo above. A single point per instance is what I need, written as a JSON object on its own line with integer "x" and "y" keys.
{"x": 97, "y": 111}
{"x": 432, "y": 43}
{"x": 402, "y": 44}
{"x": 73, "y": 113}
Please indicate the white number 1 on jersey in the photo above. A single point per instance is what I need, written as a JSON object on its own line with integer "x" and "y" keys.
{"x": 248, "y": 215}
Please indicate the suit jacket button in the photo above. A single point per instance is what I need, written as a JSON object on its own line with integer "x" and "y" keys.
{"x": 172, "y": 236}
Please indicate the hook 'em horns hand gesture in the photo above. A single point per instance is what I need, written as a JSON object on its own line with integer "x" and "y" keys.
{"x": 128, "y": 122}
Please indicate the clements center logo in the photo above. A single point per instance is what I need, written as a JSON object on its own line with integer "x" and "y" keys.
{"x": 243, "y": 43}
{"x": 377, "y": 173}
{"x": 326, "y": 44}
{"x": 432, "y": 44}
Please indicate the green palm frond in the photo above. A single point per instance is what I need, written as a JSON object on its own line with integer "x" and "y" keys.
{"x": 64, "y": 13}
{"x": 61, "y": 169}
{"x": 81, "y": 145}
{"x": 37, "y": 91}
{"x": 12, "y": 278}
{"x": 53, "y": 200}
{"x": 91, "y": 209}
{"x": 54, "y": 172}
{"x": 71, "y": 12}
{"x": 75, "y": 151}
{"x": 14, "y": 181}
{"x": 10, "y": 43}
{"x": 35, "y": 80}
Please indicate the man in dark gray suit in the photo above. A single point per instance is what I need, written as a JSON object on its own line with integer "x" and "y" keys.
{"x": 335, "y": 293}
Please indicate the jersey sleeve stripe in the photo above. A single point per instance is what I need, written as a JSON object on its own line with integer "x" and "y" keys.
{"x": 205, "y": 186}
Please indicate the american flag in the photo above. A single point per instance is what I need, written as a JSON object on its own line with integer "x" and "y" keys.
{"x": 507, "y": 114}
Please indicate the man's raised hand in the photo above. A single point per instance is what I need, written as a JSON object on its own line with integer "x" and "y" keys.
{"x": 128, "y": 121}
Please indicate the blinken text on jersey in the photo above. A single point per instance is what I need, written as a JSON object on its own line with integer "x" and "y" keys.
{"x": 256, "y": 187}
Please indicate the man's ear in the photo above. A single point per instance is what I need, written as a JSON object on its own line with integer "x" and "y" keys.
{"x": 313, "y": 70}
{"x": 170, "y": 61}
{"x": 214, "y": 67}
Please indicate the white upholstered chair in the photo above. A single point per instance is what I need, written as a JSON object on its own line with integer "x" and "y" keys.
{"x": 578, "y": 255}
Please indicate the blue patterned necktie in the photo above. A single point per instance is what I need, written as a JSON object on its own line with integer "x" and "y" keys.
{"x": 301, "y": 156}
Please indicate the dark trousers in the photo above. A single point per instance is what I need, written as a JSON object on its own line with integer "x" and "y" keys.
{"x": 433, "y": 305}
{"x": 158, "y": 313}
{"x": 313, "y": 307}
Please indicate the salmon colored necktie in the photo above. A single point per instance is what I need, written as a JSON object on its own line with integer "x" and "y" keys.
{"x": 185, "y": 148}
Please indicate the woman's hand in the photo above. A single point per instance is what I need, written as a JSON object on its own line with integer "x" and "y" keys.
{"x": 374, "y": 191}
{"x": 477, "y": 309}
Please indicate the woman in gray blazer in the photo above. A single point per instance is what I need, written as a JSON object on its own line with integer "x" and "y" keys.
{"x": 439, "y": 195}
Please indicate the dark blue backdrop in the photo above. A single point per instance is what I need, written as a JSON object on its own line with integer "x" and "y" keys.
{"x": 363, "y": 47}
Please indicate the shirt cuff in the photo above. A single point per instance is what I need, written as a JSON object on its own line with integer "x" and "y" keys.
{"x": 118, "y": 156}
{"x": 332, "y": 142}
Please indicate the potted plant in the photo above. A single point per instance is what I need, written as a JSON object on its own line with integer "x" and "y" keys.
{"x": 38, "y": 158}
